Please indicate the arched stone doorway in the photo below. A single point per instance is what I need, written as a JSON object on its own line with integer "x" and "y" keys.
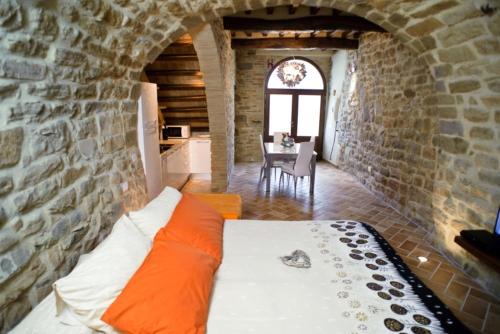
{"x": 297, "y": 108}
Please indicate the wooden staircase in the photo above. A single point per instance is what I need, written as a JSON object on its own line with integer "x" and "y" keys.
{"x": 181, "y": 89}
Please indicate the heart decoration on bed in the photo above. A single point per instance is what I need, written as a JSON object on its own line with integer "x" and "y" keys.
{"x": 298, "y": 259}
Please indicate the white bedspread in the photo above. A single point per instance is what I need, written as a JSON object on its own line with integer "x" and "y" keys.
{"x": 256, "y": 293}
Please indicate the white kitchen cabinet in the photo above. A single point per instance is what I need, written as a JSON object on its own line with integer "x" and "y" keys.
{"x": 177, "y": 159}
{"x": 186, "y": 158}
{"x": 175, "y": 163}
{"x": 200, "y": 155}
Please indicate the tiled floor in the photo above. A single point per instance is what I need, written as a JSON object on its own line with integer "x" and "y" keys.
{"x": 340, "y": 196}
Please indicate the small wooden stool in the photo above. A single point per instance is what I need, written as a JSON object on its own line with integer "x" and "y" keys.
{"x": 228, "y": 205}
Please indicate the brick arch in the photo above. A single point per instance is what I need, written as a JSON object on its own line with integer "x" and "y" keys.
{"x": 213, "y": 49}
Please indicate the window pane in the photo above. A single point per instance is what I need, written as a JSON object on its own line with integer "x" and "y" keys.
{"x": 280, "y": 113}
{"x": 312, "y": 79}
{"x": 309, "y": 112}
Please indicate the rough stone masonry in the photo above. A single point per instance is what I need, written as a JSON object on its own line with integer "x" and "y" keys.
{"x": 69, "y": 74}
{"x": 251, "y": 74}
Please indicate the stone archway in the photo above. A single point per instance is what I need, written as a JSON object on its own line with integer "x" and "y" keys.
{"x": 68, "y": 88}
{"x": 213, "y": 47}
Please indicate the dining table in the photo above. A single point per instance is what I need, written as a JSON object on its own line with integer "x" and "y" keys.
{"x": 278, "y": 152}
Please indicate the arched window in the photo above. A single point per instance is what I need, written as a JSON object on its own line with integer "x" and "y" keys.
{"x": 294, "y": 100}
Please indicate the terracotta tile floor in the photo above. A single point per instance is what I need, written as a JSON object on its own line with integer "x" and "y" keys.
{"x": 339, "y": 196}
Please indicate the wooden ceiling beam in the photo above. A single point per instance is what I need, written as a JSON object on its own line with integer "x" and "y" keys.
{"x": 189, "y": 98}
{"x": 295, "y": 43}
{"x": 181, "y": 86}
{"x": 186, "y": 111}
{"x": 302, "y": 23}
{"x": 314, "y": 10}
{"x": 177, "y": 57}
{"x": 181, "y": 42}
{"x": 174, "y": 114}
{"x": 167, "y": 72}
{"x": 201, "y": 122}
{"x": 185, "y": 49}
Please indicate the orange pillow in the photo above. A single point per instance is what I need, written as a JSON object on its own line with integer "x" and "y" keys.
{"x": 168, "y": 294}
{"x": 195, "y": 223}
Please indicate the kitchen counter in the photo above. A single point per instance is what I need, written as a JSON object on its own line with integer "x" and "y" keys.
{"x": 183, "y": 157}
{"x": 179, "y": 142}
{"x": 174, "y": 141}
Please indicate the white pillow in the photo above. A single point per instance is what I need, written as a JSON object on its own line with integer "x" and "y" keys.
{"x": 156, "y": 213}
{"x": 100, "y": 277}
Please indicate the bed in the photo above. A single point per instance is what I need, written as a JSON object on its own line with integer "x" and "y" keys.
{"x": 356, "y": 284}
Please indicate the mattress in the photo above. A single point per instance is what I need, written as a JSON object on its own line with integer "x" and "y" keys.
{"x": 356, "y": 284}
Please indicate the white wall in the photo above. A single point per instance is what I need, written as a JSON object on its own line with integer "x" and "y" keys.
{"x": 337, "y": 76}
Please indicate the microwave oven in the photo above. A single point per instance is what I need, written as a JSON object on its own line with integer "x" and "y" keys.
{"x": 176, "y": 131}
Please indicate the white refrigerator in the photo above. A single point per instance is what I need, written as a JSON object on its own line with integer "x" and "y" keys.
{"x": 148, "y": 138}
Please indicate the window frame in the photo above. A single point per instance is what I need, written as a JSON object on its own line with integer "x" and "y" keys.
{"x": 295, "y": 100}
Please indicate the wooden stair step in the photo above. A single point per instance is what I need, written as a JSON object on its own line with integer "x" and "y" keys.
{"x": 186, "y": 115}
{"x": 181, "y": 98}
{"x": 185, "y": 109}
{"x": 177, "y": 57}
{"x": 194, "y": 122}
{"x": 181, "y": 86}
{"x": 178, "y": 72}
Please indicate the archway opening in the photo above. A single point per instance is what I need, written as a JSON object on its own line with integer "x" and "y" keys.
{"x": 295, "y": 100}
{"x": 182, "y": 117}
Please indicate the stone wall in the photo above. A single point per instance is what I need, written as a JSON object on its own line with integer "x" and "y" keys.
{"x": 213, "y": 46}
{"x": 228, "y": 60}
{"x": 419, "y": 156}
{"x": 251, "y": 73}
{"x": 69, "y": 163}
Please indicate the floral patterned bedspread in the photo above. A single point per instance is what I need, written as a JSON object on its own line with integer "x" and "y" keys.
{"x": 355, "y": 284}
{"x": 414, "y": 307}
